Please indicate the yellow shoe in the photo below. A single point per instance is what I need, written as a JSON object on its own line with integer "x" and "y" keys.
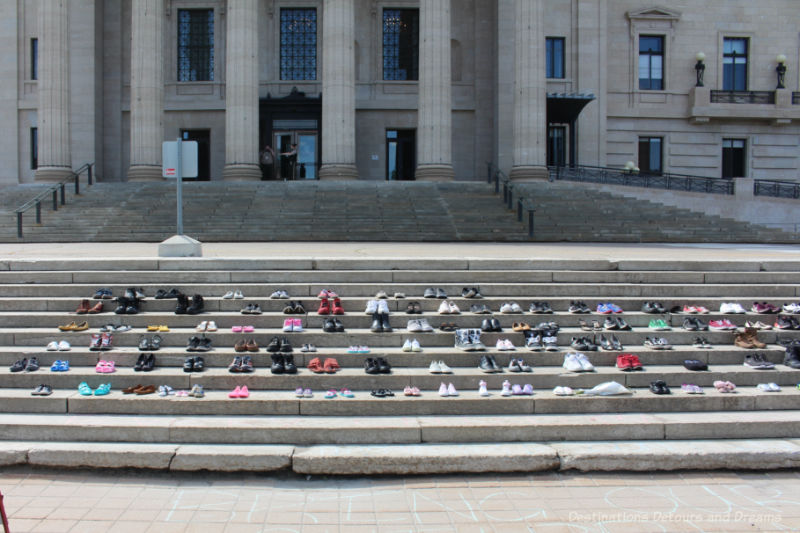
{"x": 153, "y": 328}
{"x": 83, "y": 326}
{"x": 69, "y": 327}
{"x": 163, "y": 329}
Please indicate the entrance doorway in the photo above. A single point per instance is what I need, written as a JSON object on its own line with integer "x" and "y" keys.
{"x": 401, "y": 154}
{"x": 203, "y": 139}
{"x": 301, "y": 165}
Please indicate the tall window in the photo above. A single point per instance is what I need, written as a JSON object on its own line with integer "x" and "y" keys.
{"x": 299, "y": 44}
{"x": 34, "y": 59}
{"x": 400, "y": 44}
{"x": 34, "y": 148}
{"x": 555, "y": 57}
{"x": 651, "y": 62}
{"x": 650, "y": 155}
{"x": 734, "y": 64}
{"x": 733, "y": 158}
{"x": 195, "y": 45}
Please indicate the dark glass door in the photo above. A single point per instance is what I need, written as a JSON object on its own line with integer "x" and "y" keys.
{"x": 203, "y": 139}
{"x": 401, "y": 154}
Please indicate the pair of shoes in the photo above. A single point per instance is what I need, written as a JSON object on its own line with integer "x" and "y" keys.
{"x": 377, "y": 307}
{"x": 595, "y": 325}
{"x": 198, "y": 344}
{"x": 279, "y": 344}
{"x": 628, "y": 361}
{"x": 510, "y": 307}
{"x": 491, "y": 325}
{"x": 194, "y": 364}
{"x": 518, "y": 365}
{"x": 439, "y": 367}
{"x": 294, "y": 308}
{"x": 243, "y": 329}
{"x": 327, "y": 293}
{"x": 414, "y": 308}
{"x": 280, "y": 294}
{"x": 517, "y": 390}
{"x": 659, "y": 387}
{"x": 377, "y": 365}
{"x": 42, "y": 390}
{"x": 381, "y": 294}
{"x": 239, "y": 392}
{"x": 411, "y": 345}
{"x": 230, "y": 295}
{"x": 328, "y": 307}
{"x": 690, "y": 388}
{"x": 469, "y": 340}
{"x": 59, "y": 366}
{"x": 72, "y": 326}
{"x": 60, "y": 346}
{"x": 358, "y": 349}
{"x": 149, "y": 344}
{"x": 489, "y": 365}
{"x": 127, "y": 306}
{"x": 85, "y": 307}
{"x": 333, "y": 325}
{"x": 749, "y": 340}
{"x": 691, "y": 310}
{"x": 539, "y": 308}
{"x": 300, "y": 392}
{"x": 657, "y": 343}
{"x": 722, "y": 325}
{"x": 653, "y": 308}
{"x": 430, "y": 292}
{"x": 187, "y": 307}
{"x": 161, "y": 294}
{"x": 419, "y": 325}
{"x": 293, "y": 324}
{"x": 105, "y": 367}
{"x": 660, "y": 325}
{"x": 165, "y": 390}
{"x": 577, "y": 362}
{"x": 135, "y": 293}
{"x": 122, "y": 328}
{"x": 757, "y": 325}
{"x": 578, "y": 307}
{"x": 329, "y": 366}
{"x": 139, "y": 389}
{"x": 245, "y": 345}
{"x": 411, "y": 391}
{"x": 695, "y": 365}
{"x": 533, "y": 341}
{"x": 731, "y": 308}
{"x": 382, "y": 393}
{"x": 448, "y": 390}
{"x": 449, "y": 307}
{"x": 786, "y": 322}
{"x": 768, "y": 387}
{"x": 471, "y": 292}
{"x": 251, "y": 309}
{"x": 610, "y": 344}
{"x": 608, "y": 308}
{"x": 202, "y": 327}
{"x": 145, "y": 363}
{"x": 28, "y": 365}
{"x": 584, "y": 343}
{"x": 615, "y": 323}
{"x": 520, "y": 326}
{"x": 241, "y": 364}
{"x": 308, "y": 348}
{"x": 103, "y": 341}
{"x": 764, "y": 308}
{"x": 283, "y": 363}
{"x": 163, "y": 328}
{"x": 504, "y": 345}
{"x": 102, "y": 294}
{"x": 758, "y": 361}
{"x": 724, "y": 386}
{"x": 344, "y": 393}
{"x": 694, "y": 324}
{"x": 563, "y": 391}
{"x": 701, "y": 342}
{"x": 448, "y": 326}
{"x": 793, "y": 308}
{"x": 479, "y": 309}
{"x": 85, "y": 390}
{"x": 380, "y": 323}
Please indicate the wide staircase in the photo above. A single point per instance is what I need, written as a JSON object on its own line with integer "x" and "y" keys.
{"x": 274, "y": 430}
{"x": 365, "y": 211}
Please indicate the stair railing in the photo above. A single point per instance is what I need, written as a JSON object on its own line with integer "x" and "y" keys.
{"x": 56, "y": 190}
{"x": 524, "y": 204}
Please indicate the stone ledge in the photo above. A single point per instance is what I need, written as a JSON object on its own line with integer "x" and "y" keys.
{"x": 102, "y": 455}
{"x": 232, "y": 458}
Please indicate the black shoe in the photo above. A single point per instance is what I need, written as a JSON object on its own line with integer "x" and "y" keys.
{"x": 188, "y": 364}
{"x": 495, "y": 325}
{"x": 385, "y": 326}
{"x": 141, "y": 360}
{"x": 371, "y": 366}
{"x": 133, "y": 307}
{"x": 329, "y": 326}
{"x": 578, "y": 343}
{"x": 278, "y": 364}
{"x": 338, "y": 325}
{"x": 486, "y": 365}
{"x": 236, "y": 365}
{"x": 199, "y": 364}
{"x": 193, "y": 344}
{"x": 197, "y": 305}
{"x": 149, "y": 363}
{"x": 659, "y": 387}
{"x": 174, "y": 293}
{"x": 792, "y": 357}
{"x": 376, "y": 324}
{"x": 123, "y": 305}
{"x": 289, "y": 366}
{"x": 160, "y": 294}
{"x": 130, "y": 293}
{"x": 19, "y": 366}
{"x": 591, "y": 344}
{"x": 486, "y": 325}
{"x": 33, "y": 365}
{"x": 383, "y": 366}
{"x": 204, "y": 345}
{"x": 183, "y": 304}
{"x": 286, "y": 346}
{"x": 649, "y": 307}
{"x": 495, "y": 366}
{"x": 247, "y": 364}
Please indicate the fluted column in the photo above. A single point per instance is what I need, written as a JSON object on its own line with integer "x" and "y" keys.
{"x": 55, "y": 161}
{"x": 147, "y": 89}
{"x": 338, "y": 91}
{"x": 241, "y": 92}
{"x": 530, "y": 96}
{"x": 434, "y": 122}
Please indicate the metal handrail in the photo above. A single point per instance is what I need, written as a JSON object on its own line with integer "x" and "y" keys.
{"x": 776, "y": 188}
{"x": 620, "y": 176}
{"x": 523, "y": 204}
{"x": 54, "y": 190}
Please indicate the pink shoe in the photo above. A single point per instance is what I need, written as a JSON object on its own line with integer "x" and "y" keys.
{"x": 235, "y": 393}
{"x": 237, "y": 329}
{"x": 297, "y": 324}
{"x": 248, "y": 329}
{"x": 110, "y": 367}
{"x": 244, "y": 392}
{"x": 100, "y": 367}
{"x": 288, "y": 325}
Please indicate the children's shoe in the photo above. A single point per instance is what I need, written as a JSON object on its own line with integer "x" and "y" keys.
{"x": 103, "y": 389}
{"x": 451, "y": 390}
{"x": 482, "y": 391}
{"x": 331, "y": 394}
{"x": 346, "y": 393}
{"x": 443, "y": 390}
{"x": 506, "y": 391}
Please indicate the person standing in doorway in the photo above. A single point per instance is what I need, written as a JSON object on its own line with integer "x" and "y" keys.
{"x": 291, "y": 156}
{"x": 266, "y": 160}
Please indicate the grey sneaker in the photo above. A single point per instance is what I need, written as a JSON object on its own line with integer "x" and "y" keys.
{"x": 475, "y": 340}
{"x": 534, "y": 342}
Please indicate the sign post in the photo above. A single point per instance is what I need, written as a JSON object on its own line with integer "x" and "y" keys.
{"x": 179, "y": 160}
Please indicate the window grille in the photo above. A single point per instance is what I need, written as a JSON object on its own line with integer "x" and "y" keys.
{"x": 195, "y": 45}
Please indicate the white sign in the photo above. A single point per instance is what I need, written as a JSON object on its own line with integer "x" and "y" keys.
{"x": 169, "y": 158}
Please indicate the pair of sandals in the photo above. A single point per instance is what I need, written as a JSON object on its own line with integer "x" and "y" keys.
{"x": 330, "y": 366}
{"x": 149, "y": 344}
{"x": 145, "y": 363}
{"x": 344, "y": 393}
{"x": 194, "y": 364}
{"x": 198, "y": 344}
{"x": 85, "y": 390}
{"x": 724, "y": 386}
{"x": 59, "y": 366}
{"x": 111, "y": 328}
{"x": 659, "y": 387}
{"x": 294, "y": 308}
{"x": 448, "y": 326}
{"x": 414, "y": 308}
{"x": 105, "y": 367}
{"x": 690, "y": 388}
{"x": 381, "y": 393}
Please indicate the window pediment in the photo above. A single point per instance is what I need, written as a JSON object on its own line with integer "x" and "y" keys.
{"x": 653, "y": 14}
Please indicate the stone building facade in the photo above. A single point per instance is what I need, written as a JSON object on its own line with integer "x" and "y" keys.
{"x": 399, "y": 89}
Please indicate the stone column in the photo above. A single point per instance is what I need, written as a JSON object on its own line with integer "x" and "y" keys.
{"x": 530, "y": 93}
{"x": 241, "y": 92}
{"x": 338, "y": 91}
{"x": 55, "y": 161}
{"x": 434, "y": 122}
{"x": 147, "y": 89}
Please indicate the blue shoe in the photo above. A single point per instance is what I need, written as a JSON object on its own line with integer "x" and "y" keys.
{"x": 603, "y": 309}
{"x": 84, "y": 389}
{"x": 103, "y": 389}
{"x": 56, "y": 366}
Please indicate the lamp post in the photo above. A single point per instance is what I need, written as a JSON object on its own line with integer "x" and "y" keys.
{"x": 700, "y": 68}
{"x": 781, "y": 70}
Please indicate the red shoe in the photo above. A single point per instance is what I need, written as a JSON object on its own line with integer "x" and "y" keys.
{"x": 337, "y": 307}
{"x": 634, "y": 362}
{"x": 324, "y": 307}
{"x": 315, "y": 365}
{"x": 623, "y": 362}
{"x": 331, "y": 366}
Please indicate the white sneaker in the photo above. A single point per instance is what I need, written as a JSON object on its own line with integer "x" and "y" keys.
{"x": 284, "y": 295}
{"x": 454, "y": 310}
{"x": 52, "y": 346}
{"x": 414, "y": 325}
{"x": 423, "y": 323}
{"x": 586, "y": 365}
{"x": 500, "y": 345}
{"x": 275, "y": 295}
{"x": 571, "y": 363}
{"x": 238, "y": 294}
{"x": 63, "y": 346}
{"x": 550, "y": 344}
{"x": 737, "y": 308}
{"x": 506, "y": 308}
{"x": 211, "y": 326}
{"x": 372, "y": 307}
{"x": 451, "y": 390}
{"x": 506, "y": 389}
{"x": 383, "y": 307}
{"x": 415, "y": 347}
{"x": 435, "y": 368}
{"x": 724, "y": 308}
{"x": 482, "y": 389}
{"x": 443, "y": 368}
{"x": 515, "y": 308}
{"x": 563, "y": 391}
{"x": 508, "y": 345}
{"x": 792, "y": 308}
{"x": 443, "y": 391}
{"x": 444, "y": 308}
{"x": 202, "y": 326}
{"x": 228, "y": 295}
{"x": 288, "y": 325}
{"x": 407, "y": 345}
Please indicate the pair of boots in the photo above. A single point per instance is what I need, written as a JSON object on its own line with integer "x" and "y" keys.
{"x": 748, "y": 339}
{"x": 127, "y": 306}
{"x": 380, "y": 323}
{"x": 469, "y": 340}
{"x": 196, "y": 306}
